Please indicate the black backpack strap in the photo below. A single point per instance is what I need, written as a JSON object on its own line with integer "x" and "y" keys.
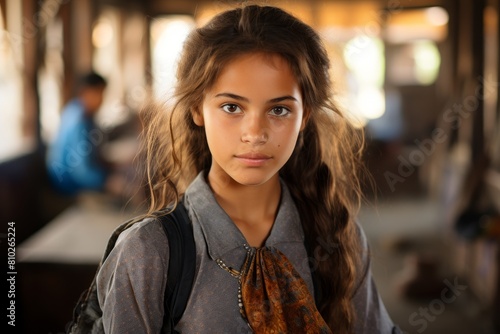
{"x": 181, "y": 266}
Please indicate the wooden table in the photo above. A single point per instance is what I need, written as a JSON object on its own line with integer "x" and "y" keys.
{"x": 77, "y": 236}
{"x": 57, "y": 264}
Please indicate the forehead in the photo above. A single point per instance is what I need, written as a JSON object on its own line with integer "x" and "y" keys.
{"x": 257, "y": 72}
{"x": 272, "y": 60}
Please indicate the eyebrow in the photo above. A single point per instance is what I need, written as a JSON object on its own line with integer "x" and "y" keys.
{"x": 241, "y": 98}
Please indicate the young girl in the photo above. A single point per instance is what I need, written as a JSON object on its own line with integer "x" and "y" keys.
{"x": 267, "y": 168}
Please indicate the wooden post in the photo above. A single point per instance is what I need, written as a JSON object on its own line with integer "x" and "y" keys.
{"x": 478, "y": 142}
{"x": 77, "y": 18}
{"x": 453, "y": 8}
{"x": 496, "y": 302}
{"x": 31, "y": 56}
{"x": 147, "y": 52}
{"x": 67, "y": 54}
{"x": 81, "y": 32}
{"x": 498, "y": 74}
{"x": 3, "y": 6}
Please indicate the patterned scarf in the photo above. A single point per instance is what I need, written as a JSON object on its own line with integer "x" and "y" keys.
{"x": 274, "y": 298}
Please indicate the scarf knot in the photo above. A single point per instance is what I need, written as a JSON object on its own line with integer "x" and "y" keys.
{"x": 275, "y": 298}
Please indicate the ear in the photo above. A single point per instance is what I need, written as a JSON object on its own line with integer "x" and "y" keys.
{"x": 305, "y": 118}
{"x": 197, "y": 117}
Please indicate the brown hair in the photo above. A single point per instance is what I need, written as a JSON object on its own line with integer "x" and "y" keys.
{"x": 322, "y": 173}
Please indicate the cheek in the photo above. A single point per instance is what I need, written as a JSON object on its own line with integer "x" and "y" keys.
{"x": 214, "y": 126}
{"x": 219, "y": 132}
{"x": 286, "y": 138}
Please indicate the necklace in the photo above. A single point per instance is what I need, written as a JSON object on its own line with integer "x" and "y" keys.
{"x": 238, "y": 274}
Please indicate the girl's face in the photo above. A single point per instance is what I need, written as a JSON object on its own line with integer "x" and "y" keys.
{"x": 252, "y": 117}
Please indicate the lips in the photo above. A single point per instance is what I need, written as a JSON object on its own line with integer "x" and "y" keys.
{"x": 253, "y": 156}
{"x": 253, "y": 159}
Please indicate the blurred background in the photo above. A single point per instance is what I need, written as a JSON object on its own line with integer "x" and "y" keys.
{"x": 419, "y": 76}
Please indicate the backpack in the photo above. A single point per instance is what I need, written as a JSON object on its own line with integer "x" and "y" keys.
{"x": 87, "y": 315}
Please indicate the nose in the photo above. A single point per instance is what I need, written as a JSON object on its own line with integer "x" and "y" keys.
{"x": 255, "y": 130}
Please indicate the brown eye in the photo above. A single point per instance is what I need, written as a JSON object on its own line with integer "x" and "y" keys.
{"x": 231, "y": 108}
{"x": 279, "y": 111}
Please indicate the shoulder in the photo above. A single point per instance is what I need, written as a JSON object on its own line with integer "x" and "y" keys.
{"x": 131, "y": 281}
{"x": 364, "y": 261}
{"x": 142, "y": 245}
{"x": 73, "y": 110}
{"x": 72, "y": 120}
{"x": 146, "y": 234}
{"x": 371, "y": 314}
{"x": 362, "y": 241}
{"x": 142, "y": 249}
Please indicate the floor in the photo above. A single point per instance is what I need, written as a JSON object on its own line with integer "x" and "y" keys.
{"x": 406, "y": 231}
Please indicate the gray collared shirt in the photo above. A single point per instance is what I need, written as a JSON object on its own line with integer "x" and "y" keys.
{"x": 131, "y": 283}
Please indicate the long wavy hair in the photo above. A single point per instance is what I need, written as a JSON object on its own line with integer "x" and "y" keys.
{"x": 322, "y": 173}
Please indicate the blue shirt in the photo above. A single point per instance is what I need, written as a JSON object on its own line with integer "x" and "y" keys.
{"x": 72, "y": 159}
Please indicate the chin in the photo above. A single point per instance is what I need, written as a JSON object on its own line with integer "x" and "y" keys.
{"x": 252, "y": 178}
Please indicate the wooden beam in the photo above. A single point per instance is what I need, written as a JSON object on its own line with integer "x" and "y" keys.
{"x": 453, "y": 45}
{"x": 77, "y": 18}
{"x": 478, "y": 141}
{"x": 497, "y": 7}
{"x": 495, "y": 309}
{"x": 3, "y": 6}
{"x": 156, "y": 7}
{"x": 31, "y": 59}
{"x": 81, "y": 32}
{"x": 67, "y": 54}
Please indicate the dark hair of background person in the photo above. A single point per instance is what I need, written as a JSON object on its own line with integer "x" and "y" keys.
{"x": 91, "y": 79}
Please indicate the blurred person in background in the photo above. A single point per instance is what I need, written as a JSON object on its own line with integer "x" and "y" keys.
{"x": 73, "y": 161}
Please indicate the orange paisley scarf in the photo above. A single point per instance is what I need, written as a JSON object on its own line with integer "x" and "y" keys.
{"x": 274, "y": 298}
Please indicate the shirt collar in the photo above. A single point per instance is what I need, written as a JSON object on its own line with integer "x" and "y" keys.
{"x": 222, "y": 235}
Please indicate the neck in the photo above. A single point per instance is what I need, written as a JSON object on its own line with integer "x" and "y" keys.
{"x": 252, "y": 208}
